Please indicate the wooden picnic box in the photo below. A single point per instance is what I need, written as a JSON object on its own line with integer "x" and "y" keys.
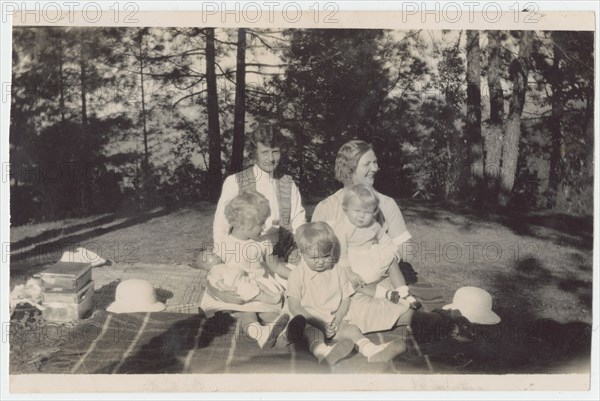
{"x": 66, "y": 277}
{"x": 66, "y": 306}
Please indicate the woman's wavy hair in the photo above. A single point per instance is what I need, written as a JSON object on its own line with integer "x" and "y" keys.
{"x": 267, "y": 135}
{"x": 347, "y": 160}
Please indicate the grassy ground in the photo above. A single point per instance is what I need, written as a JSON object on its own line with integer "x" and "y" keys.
{"x": 538, "y": 268}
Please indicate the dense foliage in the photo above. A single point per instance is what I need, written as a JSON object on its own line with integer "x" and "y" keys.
{"x": 109, "y": 118}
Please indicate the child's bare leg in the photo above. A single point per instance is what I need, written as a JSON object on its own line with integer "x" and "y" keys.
{"x": 268, "y": 317}
{"x": 379, "y": 291}
{"x": 396, "y": 276}
{"x": 266, "y": 295}
{"x": 246, "y": 318}
{"x": 375, "y": 353}
{"x": 265, "y": 335}
{"x": 401, "y": 289}
{"x": 268, "y": 298}
{"x": 406, "y": 318}
{"x": 368, "y": 289}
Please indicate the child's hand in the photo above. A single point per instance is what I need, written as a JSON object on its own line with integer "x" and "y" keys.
{"x": 356, "y": 280}
{"x": 331, "y": 329}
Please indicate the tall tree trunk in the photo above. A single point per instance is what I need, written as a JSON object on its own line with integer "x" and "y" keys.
{"x": 84, "y": 119}
{"x": 237, "y": 152}
{"x": 145, "y": 130}
{"x": 556, "y": 144}
{"x": 589, "y": 129}
{"x": 519, "y": 71}
{"x": 83, "y": 77}
{"x": 146, "y": 164}
{"x": 474, "y": 138}
{"x": 61, "y": 76}
{"x": 214, "y": 134}
{"x": 493, "y": 137}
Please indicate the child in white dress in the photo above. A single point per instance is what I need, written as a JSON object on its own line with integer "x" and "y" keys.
{"x": 244, "y": 284}
{"x": 320, "y": 291}
{"x": 367, "y": 251}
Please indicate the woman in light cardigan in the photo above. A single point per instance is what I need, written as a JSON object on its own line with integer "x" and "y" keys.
{"x": 356, "y": 163}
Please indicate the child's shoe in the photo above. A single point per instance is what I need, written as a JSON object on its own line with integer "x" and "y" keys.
{"x": 339, "y": 351}
{"x": 392, "y": 296}
{"x": 293, "y": 332}
{"x": 414, "y": 304}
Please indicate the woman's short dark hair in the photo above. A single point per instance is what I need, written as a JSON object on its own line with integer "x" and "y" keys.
{"x": 268, "y": 136}
{"x": 347, "y": 160}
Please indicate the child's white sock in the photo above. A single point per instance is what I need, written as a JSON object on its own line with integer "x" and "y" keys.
{"x": 403, "y": 291}
{"x": 256, "y": 332}
{"x": 366, "y": 347}
{"x": 320, "y": 350}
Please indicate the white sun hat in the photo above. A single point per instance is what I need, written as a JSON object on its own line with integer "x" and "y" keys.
{"x": 135, "y": 295}
{"x": 475, "y": 304}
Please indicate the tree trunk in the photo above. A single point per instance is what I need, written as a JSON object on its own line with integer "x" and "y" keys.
{"x": 519, "y": 71}
{"x": 82, "y": 69}
{"x": 146, "y": 164}
{"x": 214, "y": 134}
{"x": 493, "y": 137}
{"x": 145, "y": 130}
{"x": 237, "y": 153}
{"x": 474, "y": 139}
{"x": 84, "y": 119}
{"x": 556, "y": 143}
{"x": 589, "y": 130}
{"x": 61, "y": 76}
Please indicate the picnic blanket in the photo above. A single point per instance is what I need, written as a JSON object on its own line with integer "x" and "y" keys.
{"x": 163, "y": 342}
{"x": 180, "y": 287}
{"x": 182, "y": 340}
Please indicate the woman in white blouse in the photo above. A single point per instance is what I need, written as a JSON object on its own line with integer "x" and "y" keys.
{"x": 356, "y": 163}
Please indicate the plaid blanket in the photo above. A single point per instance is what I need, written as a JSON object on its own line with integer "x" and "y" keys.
{"x": 166, "y": 342}
{"x": 180, "y": 340}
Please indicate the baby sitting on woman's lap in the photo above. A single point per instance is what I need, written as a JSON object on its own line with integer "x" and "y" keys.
{"x": 244, "y": 270}
{"x": 244, "y": 284}
{"x": 230, "y": 277}
{"x": 367, "y": 251}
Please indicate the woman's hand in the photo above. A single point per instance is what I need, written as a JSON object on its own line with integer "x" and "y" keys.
{"x": 225, "y": 296}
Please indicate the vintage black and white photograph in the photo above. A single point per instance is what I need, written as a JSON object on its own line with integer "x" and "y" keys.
{"x": 186, "y": 200}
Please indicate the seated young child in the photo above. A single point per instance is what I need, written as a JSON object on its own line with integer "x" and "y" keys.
{"x": 244, "y": 284}
{"x": 319, "y": 290}
{"x": 367, "y": 251}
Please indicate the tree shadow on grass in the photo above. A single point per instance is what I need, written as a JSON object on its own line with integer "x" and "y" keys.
{"x": 523, "y": 342}
{"x": 56, "y": 232}
{"x": 37, "y": 259}
{"x": 559, "y": 228}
